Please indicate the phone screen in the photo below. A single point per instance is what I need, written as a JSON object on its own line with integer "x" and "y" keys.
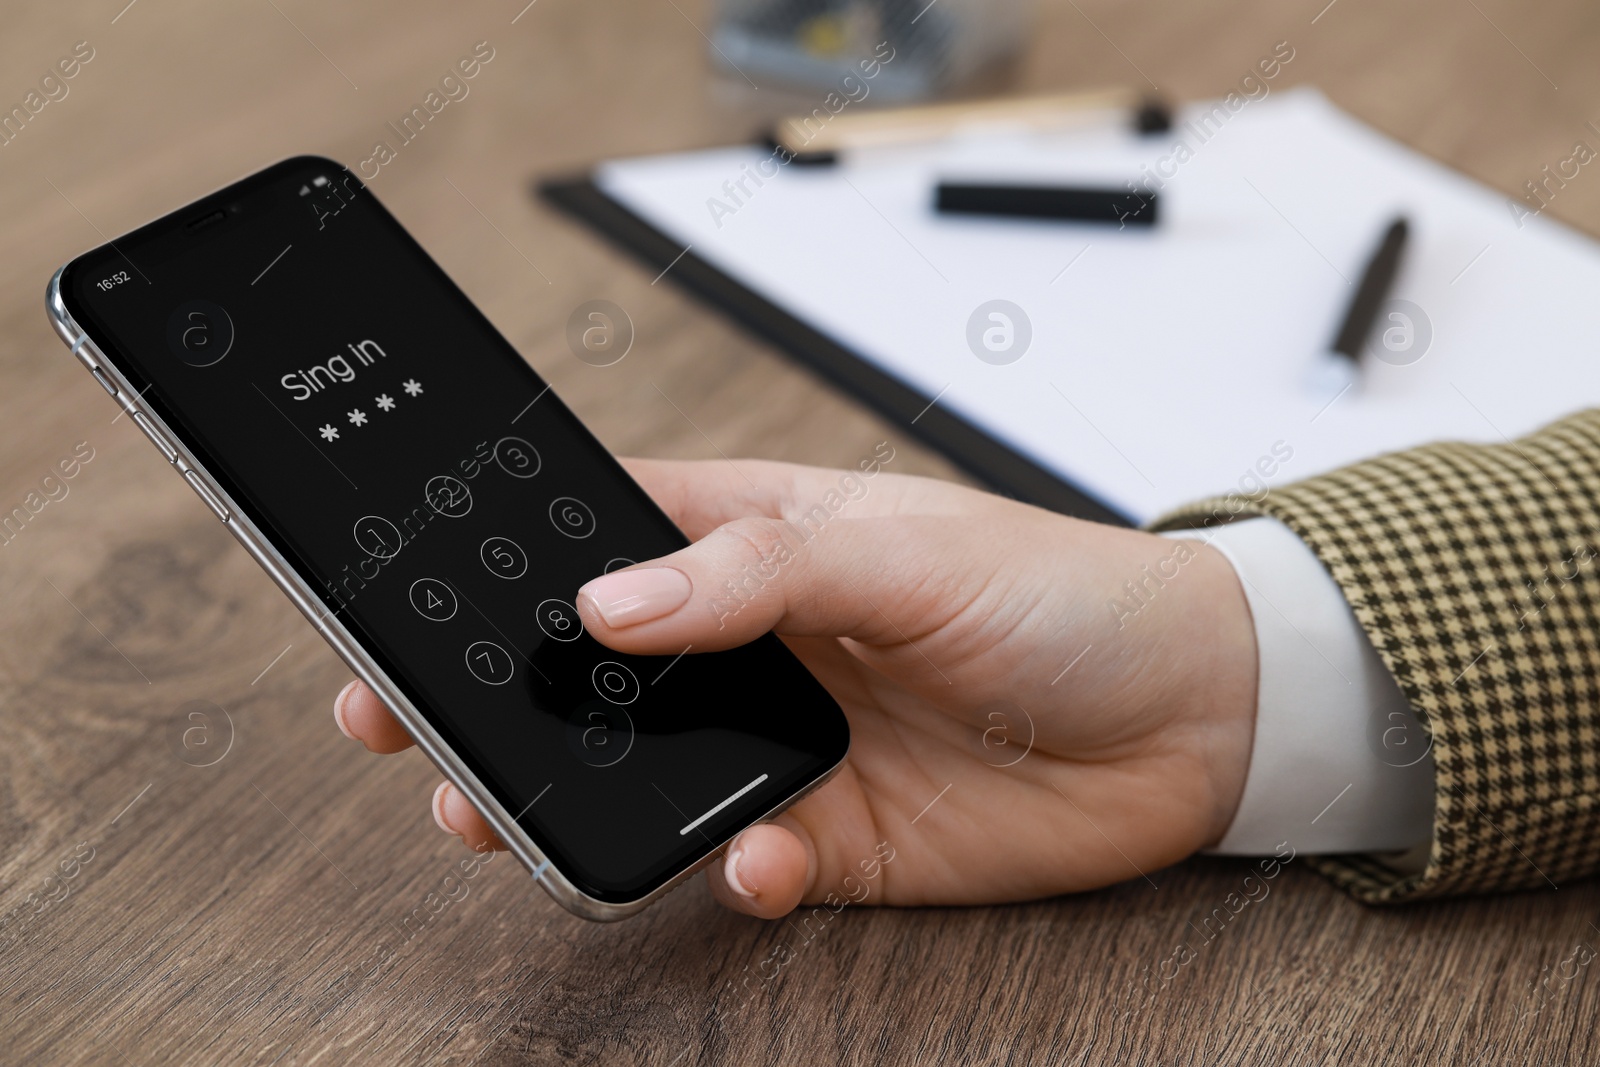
{"x": 446, "y": 507}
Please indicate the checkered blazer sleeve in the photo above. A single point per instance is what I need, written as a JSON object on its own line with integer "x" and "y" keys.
{"x": 1473, "y": 569}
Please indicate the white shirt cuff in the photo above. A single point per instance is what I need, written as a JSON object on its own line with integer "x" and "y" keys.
{"x": 1339, "y": 762}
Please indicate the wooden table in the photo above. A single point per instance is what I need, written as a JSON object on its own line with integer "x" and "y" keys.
{"x": 216, "y": 912}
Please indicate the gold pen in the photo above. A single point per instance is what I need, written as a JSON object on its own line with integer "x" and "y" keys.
{"x": 823, "y": 132}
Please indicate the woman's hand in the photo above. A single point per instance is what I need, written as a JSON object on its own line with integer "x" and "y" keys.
{"x": 1037, "y": 704}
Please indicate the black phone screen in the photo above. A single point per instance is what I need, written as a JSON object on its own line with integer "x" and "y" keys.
{"x": 446, "y": 506}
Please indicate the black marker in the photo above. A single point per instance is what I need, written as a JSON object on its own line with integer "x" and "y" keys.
{"x": 1062, "y": 202}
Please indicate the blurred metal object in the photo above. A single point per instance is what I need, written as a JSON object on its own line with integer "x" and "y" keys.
{"x": 935, "y": 44}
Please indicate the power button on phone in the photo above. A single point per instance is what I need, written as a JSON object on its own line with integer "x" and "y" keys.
{"x": 205, "y": 492}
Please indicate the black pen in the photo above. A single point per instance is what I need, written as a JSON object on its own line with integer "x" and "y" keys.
{"x": 1339, "y": 372}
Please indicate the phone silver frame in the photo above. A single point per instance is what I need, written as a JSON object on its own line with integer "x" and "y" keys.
{"x": 301, "y": 594}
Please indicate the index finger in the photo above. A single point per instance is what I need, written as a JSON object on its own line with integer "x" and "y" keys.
{"x": 362, "y": 717}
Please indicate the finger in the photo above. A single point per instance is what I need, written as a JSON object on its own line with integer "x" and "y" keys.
{"x": 455, "y": 815}
{"x": 362, "y": 717}
{"x": 766, "y": 871}
{"x": 879, "y": 581}
{"x": 824, "y": 850}
{"x": 700, "y": 495}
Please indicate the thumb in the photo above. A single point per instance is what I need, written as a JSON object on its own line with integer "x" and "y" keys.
{"x": 880, "y": 581}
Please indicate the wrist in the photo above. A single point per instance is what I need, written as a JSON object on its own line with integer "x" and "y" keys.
{"x": 1219, "y": 696}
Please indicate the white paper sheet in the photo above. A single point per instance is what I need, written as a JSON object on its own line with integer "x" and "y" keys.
{"x": 1165, "y": 364}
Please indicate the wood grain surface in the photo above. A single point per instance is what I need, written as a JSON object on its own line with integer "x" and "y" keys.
{"x": 263, "y": 909}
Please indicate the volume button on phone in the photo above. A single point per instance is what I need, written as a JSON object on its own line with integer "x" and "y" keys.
{"x": 203, "y": 489}
{"x": 100, "y": 377}
{"x": 157, "y": 438}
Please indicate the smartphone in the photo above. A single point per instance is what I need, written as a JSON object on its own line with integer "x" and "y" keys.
{"x": 417, "y": 491}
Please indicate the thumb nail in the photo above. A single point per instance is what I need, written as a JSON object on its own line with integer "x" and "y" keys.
{"x": 628, "y": 598}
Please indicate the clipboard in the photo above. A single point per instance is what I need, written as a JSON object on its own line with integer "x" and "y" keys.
{"x": 992, "y": 462}
{"x": 1179, "y": 360}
